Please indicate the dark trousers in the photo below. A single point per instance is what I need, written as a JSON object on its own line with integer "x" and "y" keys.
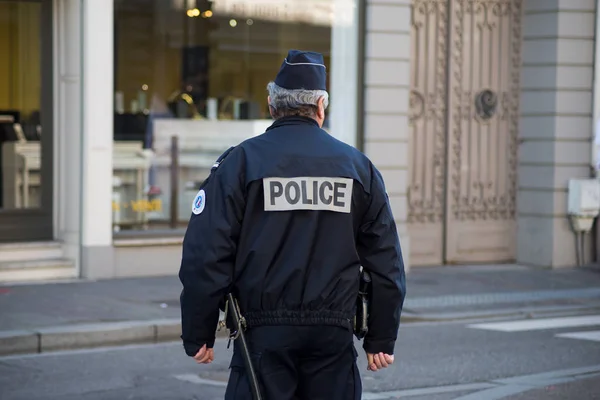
{"x": 298, "y": 363}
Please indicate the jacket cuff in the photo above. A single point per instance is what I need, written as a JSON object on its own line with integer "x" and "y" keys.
{"x": 375, "y": 346}
{"x": 192, "y": 348}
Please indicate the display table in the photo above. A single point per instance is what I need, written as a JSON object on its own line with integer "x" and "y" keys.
{"x": 21, "y": 175}
{"x": 200, "y": 143}
{"x": 131, "y": 206}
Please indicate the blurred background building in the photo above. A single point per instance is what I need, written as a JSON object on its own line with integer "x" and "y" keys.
{"x": 477, "y": 112}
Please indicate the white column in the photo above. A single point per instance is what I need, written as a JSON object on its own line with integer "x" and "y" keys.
{"x": 387, "y": 87}
{"x": 595, "y": 147}
{"x": 555, "y": 126}
{"x": 344, "y": 71}
{"x": 67, "y": 125}
{"x": 97, "y": 140}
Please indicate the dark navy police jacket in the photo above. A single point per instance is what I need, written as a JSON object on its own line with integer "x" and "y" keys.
{"x": 284, "y": 221}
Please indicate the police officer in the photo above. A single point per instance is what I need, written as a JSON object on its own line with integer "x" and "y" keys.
{"x": 284, "y": 221}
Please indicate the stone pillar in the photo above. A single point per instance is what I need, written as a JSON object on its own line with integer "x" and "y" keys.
{"x": 387, "y": 86}
{"x": 97, "y": 139}
{"x": 344, "y": 70}
{"x": 67, "y": 129}
{"x": 555, "y": 125}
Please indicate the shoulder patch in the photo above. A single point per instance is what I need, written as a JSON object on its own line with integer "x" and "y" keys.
{"x": 221, "y": 158}
{"x": 308, "y": 193}
{"x": 199, "y": 202}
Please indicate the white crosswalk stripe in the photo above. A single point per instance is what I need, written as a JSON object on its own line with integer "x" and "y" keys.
{"x": 547, "y": 324}
{"x": 537, "y": 324}
{"x": 588, "y": 335}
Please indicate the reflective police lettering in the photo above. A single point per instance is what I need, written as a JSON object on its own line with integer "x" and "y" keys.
{"x": 308, "y": 193}
{"x": 325, "y": 185}
{"x": 275, "y": 190}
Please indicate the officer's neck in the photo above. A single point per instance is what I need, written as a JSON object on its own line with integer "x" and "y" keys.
{"x": 320, "y": 121}
{"x": 297, "y": 118}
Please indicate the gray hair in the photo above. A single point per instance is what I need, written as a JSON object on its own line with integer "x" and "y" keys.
{"x": 295, "y": 102}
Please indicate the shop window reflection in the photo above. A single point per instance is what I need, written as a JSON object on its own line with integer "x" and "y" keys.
{"x": 20, "y": 98}
{"x": 197, "y": 70}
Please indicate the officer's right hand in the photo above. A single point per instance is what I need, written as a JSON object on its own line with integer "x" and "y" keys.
{"x": 204, "y": 355}
{"x": 379, "y": 361}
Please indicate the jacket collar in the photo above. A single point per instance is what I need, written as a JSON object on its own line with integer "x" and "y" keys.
{"x": 293, "y": 120}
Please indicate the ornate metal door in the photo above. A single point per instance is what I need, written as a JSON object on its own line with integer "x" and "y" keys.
{"x": 464, "y": 122}
{"x": 428, "y": 115}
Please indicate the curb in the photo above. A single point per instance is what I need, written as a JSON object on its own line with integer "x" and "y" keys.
{"x": 526, "y": 312}
{"x": 82, "y": 336}
{"x": 85, "y": 336}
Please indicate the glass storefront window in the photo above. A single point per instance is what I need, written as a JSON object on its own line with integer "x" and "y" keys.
{"x": 20, "y": 99}
{"x": 26, "y": 195}
{"x": 190, "y": 81}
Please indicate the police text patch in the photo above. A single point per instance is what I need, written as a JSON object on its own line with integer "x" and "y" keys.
{"x": 308, "y": 193}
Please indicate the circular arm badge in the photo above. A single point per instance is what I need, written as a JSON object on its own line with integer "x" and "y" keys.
{"x": 199, "y": 202}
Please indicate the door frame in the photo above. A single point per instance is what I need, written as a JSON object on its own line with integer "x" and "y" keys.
{"x": 20, "y": 225}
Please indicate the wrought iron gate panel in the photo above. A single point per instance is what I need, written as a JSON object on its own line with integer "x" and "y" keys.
{"x": 484, "y": 98}
{"x": 428, "y": 105}
{"x": 483, "y": 128}
{"x": 464, "y": 108}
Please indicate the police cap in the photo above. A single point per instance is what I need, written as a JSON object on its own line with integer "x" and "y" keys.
{"x": 302, "y": 70}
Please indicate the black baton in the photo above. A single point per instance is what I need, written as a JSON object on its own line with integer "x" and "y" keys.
{"x": 239, "y": 326}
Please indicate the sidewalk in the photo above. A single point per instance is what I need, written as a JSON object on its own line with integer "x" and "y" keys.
{"x": 55, "y": 316}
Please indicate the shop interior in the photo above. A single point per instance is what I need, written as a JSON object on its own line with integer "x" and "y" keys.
{"x": 190, "y": 80}
{"x": 20, "y": 100}
{"x": 195, "y": 69}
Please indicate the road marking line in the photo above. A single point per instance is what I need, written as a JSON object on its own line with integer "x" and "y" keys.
{"x": 589, "y": 335}
{"x": 100, "y": 349}
{"x": 192, "y": 378}
{"x": 94, "y": 350}
{"x": 544, "y": 377}
{"x": 525, "y": 383}
{"x": 494, "y": 390}
{"x": 548, "y": 323}
{"x": 425, "y": 391}
{"x": 495, "y": 393}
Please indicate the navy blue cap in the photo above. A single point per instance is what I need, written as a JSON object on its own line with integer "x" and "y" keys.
{"x": 302, "y": 70}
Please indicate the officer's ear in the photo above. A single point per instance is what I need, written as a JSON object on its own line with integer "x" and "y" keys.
{"x": 321, "y": 109}
{"x": 271, "y": 110}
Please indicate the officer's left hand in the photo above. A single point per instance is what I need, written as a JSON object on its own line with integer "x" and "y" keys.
{"x": 379, "y": 361}
{"x": 204, "y": 355}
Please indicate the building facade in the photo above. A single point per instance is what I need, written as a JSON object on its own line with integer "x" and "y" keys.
{"x": 477, "y": 112}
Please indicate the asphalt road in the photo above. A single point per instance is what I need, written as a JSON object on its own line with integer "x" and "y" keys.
{"x": 436, "y": 361}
